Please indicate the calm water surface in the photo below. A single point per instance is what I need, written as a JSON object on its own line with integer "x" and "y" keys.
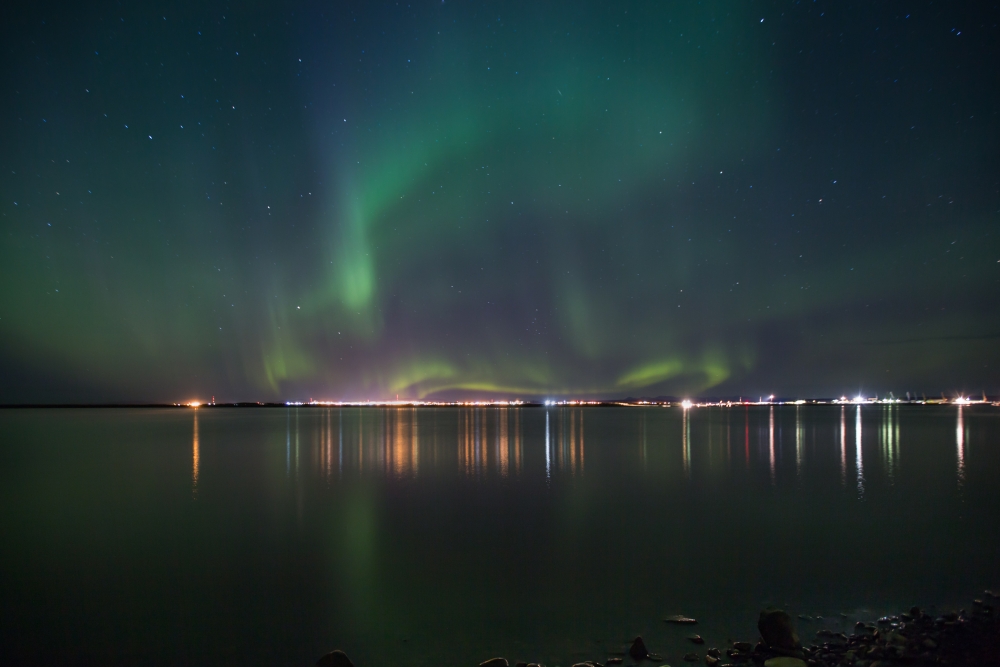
{"x": 447, "y": 536}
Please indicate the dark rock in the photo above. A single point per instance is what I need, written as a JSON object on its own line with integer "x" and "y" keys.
{"x": 691, "y": 657}
{"x": 711, "y": 660}
{"x": 915, "y": 612}
{"x": 680, "y": 620}
{"x": 745, "y": 647}
{"x": 860, "y": 625}
{"x": 494, "y": 662}
{"x": 520, "y": 664}
{"x": 335, "y": 659}
{"x": 696, "y": 639}
{"x": 613, "y": 661}
{"x": 714, "y": 652}
{"x": 785, "y": 661}
{"x": 638, "y": 650}
{"x": 776, "y": 629}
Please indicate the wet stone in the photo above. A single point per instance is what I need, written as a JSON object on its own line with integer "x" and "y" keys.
{"x": 680, "y": 620}
{"x": 696, "y": 639}
{"x": 335, "y": 659}
{"x": 638, "y": 650}
{"x": 776, "y": 629}
{"x": 494, "y": 662}
{"x": 785, "y": 661}
{"x": 691, "y": 657}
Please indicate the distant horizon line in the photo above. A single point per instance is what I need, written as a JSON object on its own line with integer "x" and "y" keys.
{"x": 659, "y": 401}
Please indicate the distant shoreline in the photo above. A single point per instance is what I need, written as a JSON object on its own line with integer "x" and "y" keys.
{"x": 992, "y": 401}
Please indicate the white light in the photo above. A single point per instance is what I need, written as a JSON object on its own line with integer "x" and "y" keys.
{"x": 686, "y": 404}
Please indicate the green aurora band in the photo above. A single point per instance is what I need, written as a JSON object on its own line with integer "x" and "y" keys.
{"x": 446, "y": 200}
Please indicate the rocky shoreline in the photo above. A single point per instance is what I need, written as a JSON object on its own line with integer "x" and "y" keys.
{"x": 955, "y": 639}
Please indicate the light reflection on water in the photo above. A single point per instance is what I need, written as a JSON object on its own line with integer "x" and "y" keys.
{"x": 859, "y": 463}
{"x": 194, "y": 457}
{"x": 960, "y": 446}
{"x": 527, "y": 532}
{"x": 843, "y": 447}
{"x": 492, "y": 440}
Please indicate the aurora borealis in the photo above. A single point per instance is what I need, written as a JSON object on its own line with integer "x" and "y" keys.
{"x": 272, "y": 201}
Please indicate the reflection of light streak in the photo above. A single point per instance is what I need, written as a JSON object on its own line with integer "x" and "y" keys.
{"x": 467, "y": 453}
{"x": 361, "y": 440}
{"x": 503, "y": 441}
{"x": 581, "y": 442}
{"x": 517, "y": 440}
{"x": 572, "y": 442}
{"x": 195, "y": 456}
{"x": 771, "y": 441}
{"x": 746, "y": 435}
{"x": 485, "y": 441}
{"x": 328, "y": 444}
{"x": 857, "y": 445}
{"x": 798, "y": 441}
{"x": 477, "y": 443}
{"x": 686, "y": 443}
{"x": 397, "y": 437}
{"x": 890, "y": 440}
{"x": 960, "y": 446}
{"x": 843, "y": 447}
{"x": 548, "y": 460}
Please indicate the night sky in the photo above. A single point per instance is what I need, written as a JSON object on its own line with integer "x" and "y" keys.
{"x": 294, "y": 200}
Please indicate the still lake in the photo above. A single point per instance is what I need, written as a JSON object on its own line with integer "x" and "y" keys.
{"x": 447, "y": 536}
